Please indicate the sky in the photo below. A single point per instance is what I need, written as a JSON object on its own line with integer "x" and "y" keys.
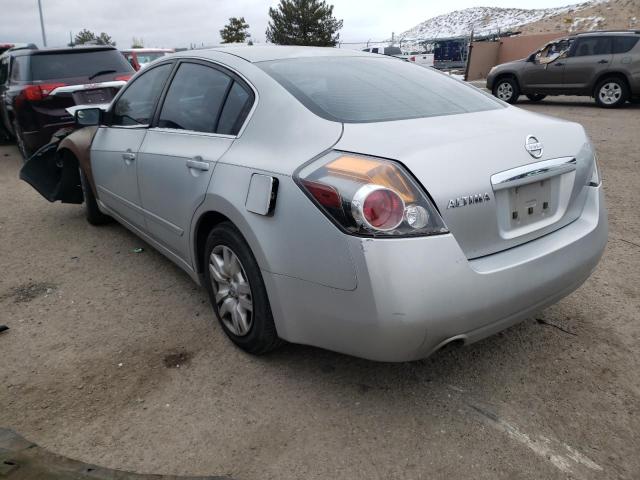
{"x": 180, "y": 23}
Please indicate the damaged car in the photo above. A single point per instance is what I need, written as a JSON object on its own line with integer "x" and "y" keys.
{"x": 38, "y": 85}
{"x": 338, "y": 198}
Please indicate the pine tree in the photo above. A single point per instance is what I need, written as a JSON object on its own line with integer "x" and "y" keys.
{"x": 84, "y": 36}
{"x": 104, "y": 39}
{"x": 235, "y": 31}
{"x": 87, "y": 36}
{"x": 303, "y": 22}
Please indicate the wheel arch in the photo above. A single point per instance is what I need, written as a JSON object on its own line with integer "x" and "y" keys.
{"x": 508, "y": 74}
{"x": 610, "y": 74}
{"x": 214, "y": 211}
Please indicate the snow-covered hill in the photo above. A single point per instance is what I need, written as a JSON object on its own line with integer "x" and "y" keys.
{"x": 483, "y": 20}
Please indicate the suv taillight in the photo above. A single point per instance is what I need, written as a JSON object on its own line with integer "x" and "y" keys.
{"x": 124, "y": 78}
{"x": 38, "y": 92}
{"x": 369, "y": 196}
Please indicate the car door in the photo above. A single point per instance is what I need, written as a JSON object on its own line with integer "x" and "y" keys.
{"x": 200, "y": 115}
{"x": 588, "y": 57}
{"x": 115, "y": 146}
{"x": 543, "y": 71}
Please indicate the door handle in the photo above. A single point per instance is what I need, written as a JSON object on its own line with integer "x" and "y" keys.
{"x": 129, "y": 156}
{"x": 603, "y": 61}
{"x": 198, "y": 164}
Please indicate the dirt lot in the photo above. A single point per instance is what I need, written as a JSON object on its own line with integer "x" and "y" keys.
{"x": 113, "y": 358}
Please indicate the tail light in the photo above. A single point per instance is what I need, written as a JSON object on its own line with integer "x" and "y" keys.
{"x": 39, "y": 92}
{"x": 369, "y": 196}
{"x": 124, "y": 78}
{"x": 412, "y": 59}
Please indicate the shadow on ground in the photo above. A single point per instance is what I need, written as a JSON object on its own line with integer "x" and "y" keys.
{"x": 23, "y": 460}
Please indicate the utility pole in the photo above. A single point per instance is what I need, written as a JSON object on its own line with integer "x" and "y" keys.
{"x": 44, "y": 37}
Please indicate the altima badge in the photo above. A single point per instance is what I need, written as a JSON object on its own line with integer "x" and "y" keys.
{"x": 533, "y": 146}
{"x": 470, "y": 200}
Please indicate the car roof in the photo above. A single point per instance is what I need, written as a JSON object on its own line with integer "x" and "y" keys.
{"x": 147, "y": 50}
{"x": 45, "y": 51}
{"x": 266, "y": 53}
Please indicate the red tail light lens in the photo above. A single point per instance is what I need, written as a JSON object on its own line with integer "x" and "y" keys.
{"x": 377, "y": 207}
{"x": 38, "y": 92}
{"x": 369, "y": 196}
{"x": 124, "y": 78}
{"x": 412, "y": 59}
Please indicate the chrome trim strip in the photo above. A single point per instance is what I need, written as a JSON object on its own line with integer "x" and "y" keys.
{"x": 533, "y": 172}
{"x": 87, "y": 86}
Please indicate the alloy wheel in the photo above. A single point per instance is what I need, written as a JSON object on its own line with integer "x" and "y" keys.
{"x": 231, "y": 289}
{"x": 610, "y": 93}
{"x": 504, "y": 91}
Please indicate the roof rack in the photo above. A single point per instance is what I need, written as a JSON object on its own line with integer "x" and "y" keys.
{"x": 637, "y": 32}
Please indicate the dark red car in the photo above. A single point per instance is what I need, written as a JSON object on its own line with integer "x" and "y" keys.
{"x": 36, "y": 87}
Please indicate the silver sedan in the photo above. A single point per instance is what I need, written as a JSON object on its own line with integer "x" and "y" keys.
{"x": 340, "y": 199}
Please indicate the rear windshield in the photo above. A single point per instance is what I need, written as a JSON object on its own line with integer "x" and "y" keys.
{"x": 52, "y": 66}
{"x": 374, "y": 89}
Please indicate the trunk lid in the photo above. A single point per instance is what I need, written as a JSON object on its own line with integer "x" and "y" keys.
{"x": 491, "y": 192}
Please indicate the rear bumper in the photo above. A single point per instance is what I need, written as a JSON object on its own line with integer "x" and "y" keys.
{"x": 414, "y": 295}
{"x": 36, "y": 139}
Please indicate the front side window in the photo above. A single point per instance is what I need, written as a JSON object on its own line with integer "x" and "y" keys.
{"x": 195, "y": 98}
{"x": 592, "y": 46}
{"x": 136, "y": 104}
{"x": 374, "y": 89}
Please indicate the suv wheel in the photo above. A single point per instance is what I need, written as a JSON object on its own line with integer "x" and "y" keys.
{"x": 536, "y": 97}
{"x": 506, "y": 89}
{"x": 611, "y": 92}
{"x": 237, "y": 291}
{"x": 20, "y": 141}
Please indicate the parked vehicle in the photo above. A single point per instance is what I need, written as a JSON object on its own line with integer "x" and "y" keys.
{"x": 337, "y": 198}
{"x": 391, "y": 51}
{"x": 37, "y": 85}
{"x": 603, "y": 65}
{"x": 141, "y": 57}
{"x": 422, "y": 59}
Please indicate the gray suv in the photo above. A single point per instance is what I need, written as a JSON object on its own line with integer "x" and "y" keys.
{"x": 603, "y": 65}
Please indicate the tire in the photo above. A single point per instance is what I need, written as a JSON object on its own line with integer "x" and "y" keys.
{"x": 507, "y": 90}
{"x": 92, "y": 211}
{"x": 20, "y": 141}
{"x": 611, "y": 92}
{"x": 233, "y": 287}
{"x": 536, "y": 97}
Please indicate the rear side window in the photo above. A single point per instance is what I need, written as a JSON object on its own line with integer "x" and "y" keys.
{"x": 136, "y": 104}
{"x": 374, "y": 89}
{"x": 235, "y": 110}
{"x": 195, "y": 98}
{"x": 624, "y": 44}
{"x": 53, "y": 66}
{"x": 592, "y": 46}
{"x": 20, "y": 69}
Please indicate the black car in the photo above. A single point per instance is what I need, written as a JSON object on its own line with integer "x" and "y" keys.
{"x": 36, "y": 87}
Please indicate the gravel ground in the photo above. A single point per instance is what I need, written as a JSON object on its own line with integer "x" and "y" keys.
{"x": 113, "y": 358}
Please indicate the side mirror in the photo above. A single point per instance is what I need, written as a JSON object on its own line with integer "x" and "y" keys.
{"x": 87, "y": 117}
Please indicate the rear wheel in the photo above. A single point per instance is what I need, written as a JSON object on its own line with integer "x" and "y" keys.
{"x": 237, "y": 291}
{"x": 91, "y": 209}
{"x": 536, "y": 97}
{"x": 507, "y": 90}
{"x": 20, "y": 141}
{"x": 611, "y": 92}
